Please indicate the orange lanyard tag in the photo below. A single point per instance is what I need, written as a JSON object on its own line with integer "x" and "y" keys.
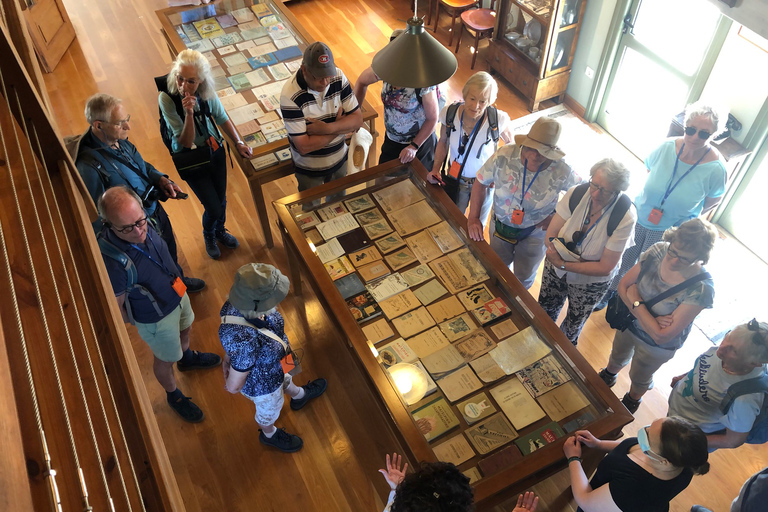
{"x": 655, "y": 216}
{"x": 179, "y": 287}
{"x": 453, "y": 172}
{"x": 212, "y": 143}
{"x": 517, "y": 216}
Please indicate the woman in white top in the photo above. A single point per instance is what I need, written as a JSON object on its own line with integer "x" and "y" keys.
{"x": 470, "y": 140}
{"x": 584, "y": 231}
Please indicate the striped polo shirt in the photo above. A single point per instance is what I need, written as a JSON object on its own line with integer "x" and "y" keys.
{"x": 299, "y": 103}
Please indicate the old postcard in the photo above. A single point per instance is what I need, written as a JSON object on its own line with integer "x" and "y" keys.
{"x": 331, "y": 211}
{"x": 337, "y": 226}
{"x": 423, "y": 246}
{"x": 365, "y": 256}
{"x": 540, "y": 438}
{"x": 208, "y": 28}
{"x": 400, "y": 258}
{"x": 307, "y": 220}
{"x": 445, "y": 237}
{"x": 363, "y": 307}
{"x": 397, "y": 352}
{"x": 503, "y": 329}
{"x": 491, "y": 310}
{"x": 369, "y": 217}
{"x": 329, "y": 251}
{"x": 435, "y": 419}
{"x": 475, "y": 297}
{"x": 517, "y": 403}
{"x": 491, "y": 433}
{"x": 444, "y": 361}
{"x": 475, "y": 345}
{"x": 313, "y": 236}
{"x": 459, "y": 384}
{"x": 235, "y": 59}
{"x": 413, "y": 323}
{"x": 542, "y": 376}
{"x": 454, "y": 451}
{"x": 398, "y": 196}
{"x": 233, "y": 101}
{"x": 377, "y": 331}
{"x": 519, "y": 350}
{"x": 459, "y": 270}
{"x": 339, "y": 267}
{"x": 387, "y": 287}
{"x": 399, "y": 304}
{"x": 476, "y": 408}
{"x": 373, "y": 271}
{"x": 563, "y": 401}
{"x": 349, "y": 285}
{"x": 377, "y": 229}
{"x": 487, "y": 369}
{"x": 428, "y": 342}
{"x": 360, "y": 203}
{"x": 430, "y": 292}
{"x": 457, "y": 328}
{"x": 390, "y": 242}
{"x": 413, "y": 218}
{"x": 417, "y": 275}
{"x": 445, "y": 309}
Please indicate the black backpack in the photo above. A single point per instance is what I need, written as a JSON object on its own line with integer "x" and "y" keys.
{"x": 758, "y": 434}
{"x": 622, "y": 205}
{"x": 493, "y": 121}
{"x": 165, "y": 131}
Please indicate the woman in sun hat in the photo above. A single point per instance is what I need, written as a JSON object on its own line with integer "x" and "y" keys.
{"x": 253, "y": 335}
{"x": 528, "y": 177}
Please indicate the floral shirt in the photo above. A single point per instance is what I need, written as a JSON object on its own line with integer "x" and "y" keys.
{"x": 505, "y": 170}
{"x": 403, "y": 112}
{"x": 253, "y": 352}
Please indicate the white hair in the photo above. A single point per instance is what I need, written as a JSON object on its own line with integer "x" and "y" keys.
{"x": 196, "y": 59}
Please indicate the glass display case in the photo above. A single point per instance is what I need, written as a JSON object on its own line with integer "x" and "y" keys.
{"x": 468, "y": 366}
{"x": 254, "y": 47}
{"x": 534, "y": 44}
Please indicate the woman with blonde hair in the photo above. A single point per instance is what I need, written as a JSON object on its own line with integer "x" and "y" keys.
{"x": 193, "y": 113}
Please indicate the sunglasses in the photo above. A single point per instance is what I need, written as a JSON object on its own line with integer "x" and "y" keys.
{"x": 703, "y": 134}
{"x": 754, "y": 327}
{"x": 575, "y": 239}
{"x": 672, "y": 252}
{"x": 463, "y": 143}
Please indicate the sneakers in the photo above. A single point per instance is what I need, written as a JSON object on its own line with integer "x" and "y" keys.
{"x": 282, "y": 440}
{"x": 193, "y": 284}
{"x": 202, "y": 360}
{"x": 630, "y": 403}
{"x": 187, "y": 409}
{"x": 312, "y": 389}
{"x": 226, "y": 239}
{"x": 609, "y": 379}
{"x": 699, "y": 508}
{"x": 211, "y": 247}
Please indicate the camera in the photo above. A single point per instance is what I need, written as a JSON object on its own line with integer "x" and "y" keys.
{"x": 151, "y": 195}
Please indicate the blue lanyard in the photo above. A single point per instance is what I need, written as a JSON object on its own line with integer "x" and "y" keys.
{"x": 153, "y": 260}
{"x": 584, "y": 236}
{"x": 523, "y": 189}
{"x": 671, "y": 187}
{"x": 471, "y": 138}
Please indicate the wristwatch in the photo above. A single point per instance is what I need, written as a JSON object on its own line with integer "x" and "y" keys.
{"x": 414, "y": 145}
{"x": 562, "y": 267}
{"x": 637, "y": 303}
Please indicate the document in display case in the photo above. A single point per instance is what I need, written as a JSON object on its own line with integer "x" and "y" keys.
{"x": 508, "y": 382}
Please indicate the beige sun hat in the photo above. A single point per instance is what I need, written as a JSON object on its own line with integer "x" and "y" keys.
{"x": 258, "y": 287}
{"x": 543, "y": 137}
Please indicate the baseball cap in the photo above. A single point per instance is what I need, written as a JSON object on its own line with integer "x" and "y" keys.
{"x": 318, "y": 59}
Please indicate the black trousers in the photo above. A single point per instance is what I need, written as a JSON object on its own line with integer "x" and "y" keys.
{"x": 390, "y": 150}
{"x": 211, "y": 189}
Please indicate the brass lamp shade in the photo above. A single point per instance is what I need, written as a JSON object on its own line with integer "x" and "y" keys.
{"x": 414, "y": 59}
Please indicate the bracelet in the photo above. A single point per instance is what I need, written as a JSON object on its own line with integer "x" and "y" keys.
{"x": 571, "y": 459}
{"x": 240, "y": 143}
{"x": 414, "y": 145}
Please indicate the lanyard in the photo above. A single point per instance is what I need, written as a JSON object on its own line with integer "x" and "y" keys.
{"x": 471, "y": 139}
{"x": 153, "y": 260}
{"x": 525, "y": 190}
{"x": 584, "y": 236}
{"x": 671, "y": 187}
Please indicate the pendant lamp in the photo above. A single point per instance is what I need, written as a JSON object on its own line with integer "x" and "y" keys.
{"x": 414, "y": 59}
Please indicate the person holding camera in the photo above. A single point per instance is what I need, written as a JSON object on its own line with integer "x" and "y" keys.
{"x": 105, "y": 158}
{"x": 152, "y": 296}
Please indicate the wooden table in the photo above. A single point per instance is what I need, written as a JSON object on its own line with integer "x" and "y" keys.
{"x": 490, "y": 490}
{"x": 257, "y": 178}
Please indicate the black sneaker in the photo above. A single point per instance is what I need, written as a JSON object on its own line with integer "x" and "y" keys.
{"x": 282, "y": 440}
{"x": 227, "y": 239}
{"x": 201, "y": 361}
{"x": 187, "y": 409}
{"x": 193, "y": 284}
{"x": 312, "y": 389}
{"x": 211, "y": 247}
{"x": 609, "y": 379}
{"x": 630, "y": 403}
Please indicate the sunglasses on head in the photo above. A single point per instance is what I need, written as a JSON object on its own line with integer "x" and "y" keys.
{"x": 754, "y": 326}
{"x": 703, "y": 134}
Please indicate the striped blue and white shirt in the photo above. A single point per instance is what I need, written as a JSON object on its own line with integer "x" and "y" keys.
{"x": 299, "y": 103}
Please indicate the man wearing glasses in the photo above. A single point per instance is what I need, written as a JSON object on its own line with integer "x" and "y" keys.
{"x": 698, "y": 394}
{"x": 156, "y": 302}
{"x": 105, "y": 158}
{"x": 319, "y": 109}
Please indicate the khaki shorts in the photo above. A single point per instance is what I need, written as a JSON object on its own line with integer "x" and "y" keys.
{"x": 163, "y": 337}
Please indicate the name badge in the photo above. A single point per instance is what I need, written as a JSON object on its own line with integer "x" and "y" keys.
{"x": 655, "y": 216}
{"x": 179, "y": 287}
{"x": 453, "y": 172}
{"x": 517, "y": 216}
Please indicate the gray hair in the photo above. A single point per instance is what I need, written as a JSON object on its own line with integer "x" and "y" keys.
{"x": 755, "y": 339}
{"x": 615, "y": 172}
{"x": 112, "y": 198}
{"x": 716, "y": 116}
{"x": 196, "y": 59}
{"x": 99, "y": 107}
{"x": 484, "y": 82}
{"x": 696, "y": 236}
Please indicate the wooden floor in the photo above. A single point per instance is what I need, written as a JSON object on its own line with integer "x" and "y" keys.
{"x": 219, "y": 463}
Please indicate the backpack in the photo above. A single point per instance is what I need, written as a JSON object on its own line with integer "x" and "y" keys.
{"x": 440, "y": 98}
{"x": 165, "y": 131}
{"x": 493, "y": 121}
{"x": 758, "y": 434}
{"x": 622, "y": 205}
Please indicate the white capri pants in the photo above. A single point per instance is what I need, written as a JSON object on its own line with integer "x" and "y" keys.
{"x": 645, "y": 358}
{"x": 268, "y": 406}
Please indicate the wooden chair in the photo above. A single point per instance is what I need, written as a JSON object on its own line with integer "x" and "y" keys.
{"x": 481, "y": 22}
{"x": 454, "y": 8}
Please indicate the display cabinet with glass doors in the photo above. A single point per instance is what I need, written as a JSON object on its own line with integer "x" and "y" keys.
{"x": 534, "y": 44}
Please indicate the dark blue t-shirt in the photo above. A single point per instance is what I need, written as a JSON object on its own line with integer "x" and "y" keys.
{"x": 156, "y": 279}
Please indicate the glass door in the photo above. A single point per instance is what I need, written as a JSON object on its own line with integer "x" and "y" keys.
{"x": 660, "y": 55}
